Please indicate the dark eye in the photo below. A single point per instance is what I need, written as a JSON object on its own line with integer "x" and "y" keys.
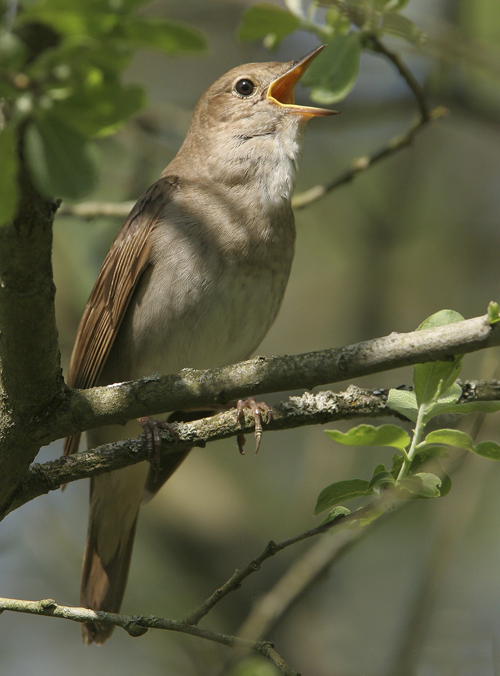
{"x": 244, "y": 87}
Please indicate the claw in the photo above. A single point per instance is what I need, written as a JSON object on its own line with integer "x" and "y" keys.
{"x": 153, "y": 439}
{"x": 255, "y": 408}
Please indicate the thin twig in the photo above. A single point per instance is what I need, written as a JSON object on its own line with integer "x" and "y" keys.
{"x": 395, "y": 144}
{"x": 91, "y": 210}
{"x": 300, "y": 577}
{"x": 372, "y": 509}
{"x": 137, "y": 625}
{"x": 378, "y": 46}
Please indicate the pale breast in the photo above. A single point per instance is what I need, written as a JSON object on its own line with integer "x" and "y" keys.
{"x": 211, "y": 294}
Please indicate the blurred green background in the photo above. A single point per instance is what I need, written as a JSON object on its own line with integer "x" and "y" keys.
{"x": 418, "y": 233}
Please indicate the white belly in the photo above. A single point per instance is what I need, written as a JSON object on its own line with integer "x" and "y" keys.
{"x": 198, "y": 307}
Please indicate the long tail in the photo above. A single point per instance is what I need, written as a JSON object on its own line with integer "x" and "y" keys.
{"x": 114, "y": 506}
{"x": 115, "y": 499}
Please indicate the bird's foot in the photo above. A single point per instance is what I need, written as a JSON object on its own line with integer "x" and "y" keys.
{"x": 151, "y": 428}
{"x": 256, "y": 409}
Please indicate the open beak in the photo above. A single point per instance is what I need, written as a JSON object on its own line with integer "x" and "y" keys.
{"x": 281, "y": 90}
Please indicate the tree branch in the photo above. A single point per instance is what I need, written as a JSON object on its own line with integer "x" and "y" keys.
{"x": 30, "y": 375}
{"x": 89, "y": 210}
{"x": 86, "y": 409}
{"x": 395, "y": 144}
{"x": 137, "y": 625}
{"x": 298, "y": 411}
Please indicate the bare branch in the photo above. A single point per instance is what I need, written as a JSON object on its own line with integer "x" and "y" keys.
{"x": 395, "y": 144}
{"x": 137, "y": 625}
{"x": 191, "y": 389}
{"x": 364, "y": 162}
{"x": 308, "y": 409}
{"x": 91, "y": 210}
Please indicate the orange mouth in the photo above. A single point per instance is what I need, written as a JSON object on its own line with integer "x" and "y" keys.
{"x": 280, "y": 91}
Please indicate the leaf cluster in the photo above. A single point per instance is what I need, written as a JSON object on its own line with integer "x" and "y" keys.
{"x": 416, "y": 470}
{"x": 60, "y": 81}
{"x": 347, "y": 27}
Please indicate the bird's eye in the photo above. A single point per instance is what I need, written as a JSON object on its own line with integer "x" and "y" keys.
{"x": 244, "y": 87}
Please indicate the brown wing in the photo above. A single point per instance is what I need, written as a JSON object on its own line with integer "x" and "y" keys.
{"x": 123, "y": 266}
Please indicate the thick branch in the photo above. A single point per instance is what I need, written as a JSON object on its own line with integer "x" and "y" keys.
{"x": 87, "y": 409}
{"x": 30, "y": 375}
{"x": 308, "y": 409}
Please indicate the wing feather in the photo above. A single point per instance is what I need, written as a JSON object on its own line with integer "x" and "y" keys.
{"x": 127, "y": 259}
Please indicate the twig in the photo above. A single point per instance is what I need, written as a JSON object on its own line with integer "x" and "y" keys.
{"x": 395, "y": 144}
{"x": 303, "y": 199}
{"x": 91, "y": 210}
{"x": 378, "y": 46}
{"x": 300, "y": 577}
{"x": 272, "y": 548}
{"x": 137, "y": 625}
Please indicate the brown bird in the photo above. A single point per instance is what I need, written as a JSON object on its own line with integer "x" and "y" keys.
{"x": 194, "y": 278}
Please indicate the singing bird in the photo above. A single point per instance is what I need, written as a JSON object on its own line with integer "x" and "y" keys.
{"x": 194, "y": 278}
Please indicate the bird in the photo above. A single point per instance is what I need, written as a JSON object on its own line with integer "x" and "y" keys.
{"x": 194, "y": 278}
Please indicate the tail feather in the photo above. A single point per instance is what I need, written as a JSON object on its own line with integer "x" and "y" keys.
{"x": 103, "y": 585}
{"x": 114, "y": 505}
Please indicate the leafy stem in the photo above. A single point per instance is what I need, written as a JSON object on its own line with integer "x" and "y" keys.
{"x": 416, "y": 471}
{"x": 409, "y": 455}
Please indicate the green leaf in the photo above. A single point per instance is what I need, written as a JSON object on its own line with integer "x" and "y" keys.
{"x": 382, "y": 479}
{"x": 60, "y": 159}
{"x": 341, "y": 491}
{"x": 446, "y": 484}
{"x": 335, "y": 513}
{"x": 100, "y": 109}
{"x": 421, "y": 485}
{"x": 368, "y": 435}
{"x": 333, "y": 73}
{"x": 434, "y": 378}
{"x": 402, "y": 27}
{"x": 8, "y": 184}
{"x": 451, "y": 438}
{"x": 261, "y": 21}
{"x": 12, "y": 52}
{"x": 397, "y": 462}
{"x": 493, "y": 312}
{"x": 464, "y": 409}
{"x": 441, "y": 318}
{"x": 488, "y": 449}
{"x": 403, "y": 402}
{"x": 172, "y": 37}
